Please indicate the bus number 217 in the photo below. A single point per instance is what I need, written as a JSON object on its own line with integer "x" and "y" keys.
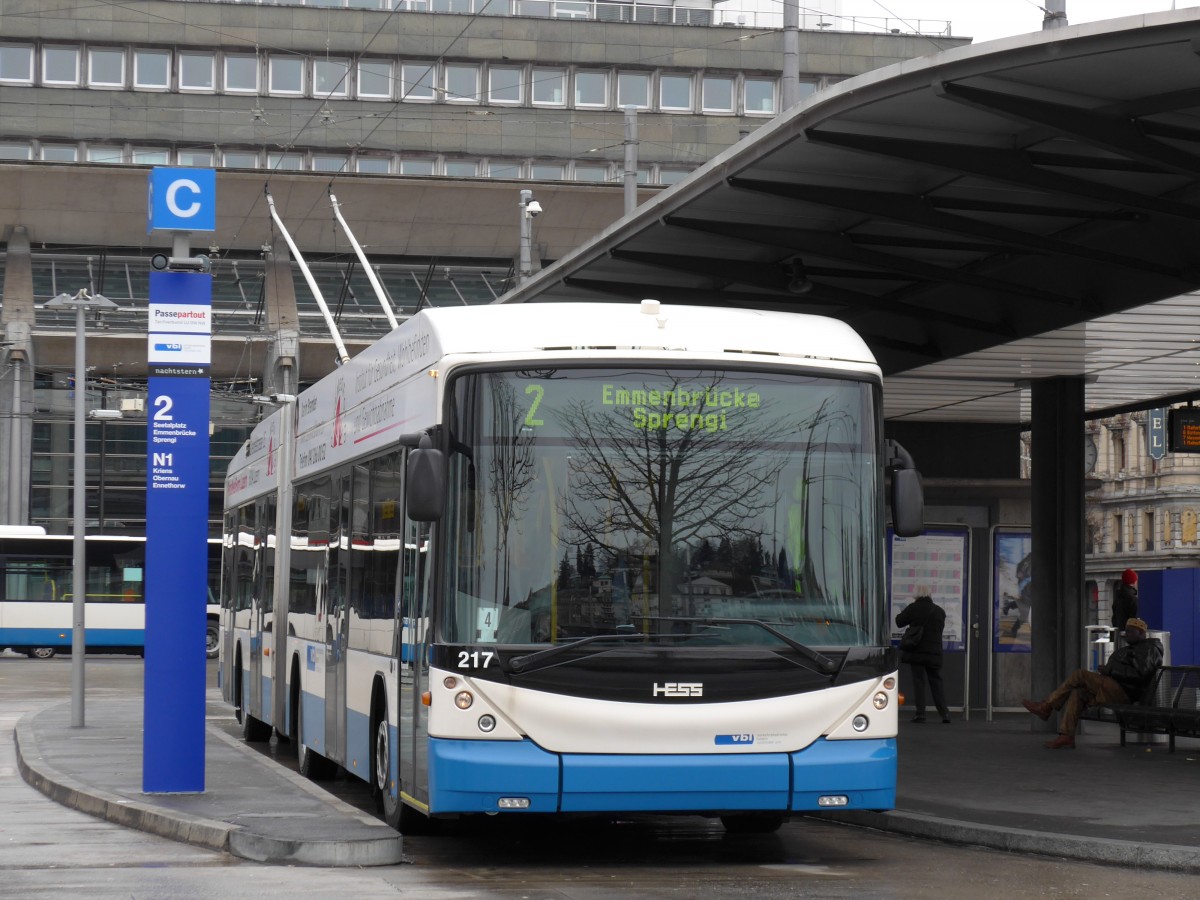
{"x": 475, "y": 659}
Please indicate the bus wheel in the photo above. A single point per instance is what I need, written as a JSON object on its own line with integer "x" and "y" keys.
{"x": 312, "y": 765}
{"x": 254, "y": 731}
{"x": 212, "y": 640}
{"x": 40, "y": 652}
{"x": 381, "y": 782}
{"x": 753, "y": 823}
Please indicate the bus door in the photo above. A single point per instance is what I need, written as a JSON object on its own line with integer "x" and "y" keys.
{"x": 254, "y": 660}
{"x": 414, "y": 654}
{"x": 337, "y": 621}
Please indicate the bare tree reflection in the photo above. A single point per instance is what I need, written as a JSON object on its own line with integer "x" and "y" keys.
{"x": 511, "y": 472}
{"x": 635, "y": 487}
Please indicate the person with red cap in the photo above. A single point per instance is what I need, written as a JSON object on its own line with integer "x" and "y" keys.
{"x": 1125, "y": 600}
{"x": 1123, "y": 679}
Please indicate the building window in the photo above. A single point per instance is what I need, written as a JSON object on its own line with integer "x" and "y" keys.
{"x": 1118, "y": 533}
{"x": 374, "y": 165}
{"x": 151, "y": 156}
{"x": 591, "y": 89}
{"x": 416, "y": 81}
{"x": 1149, "y": 528}
{"x": 504, "y": 169}
{"x": 374, "y": 80}
{"x": 14, "y": 151}
{"x": 672, "y": 176}
{"x": 16, "y": 64}
{"x": 716, "y": 93}
{"x": 331, "y": 77}
{"x": 106, "y": 68}
{"x": 633, "y": 89}
{"x": 285, "y": 75}
{"x": 1118, "y": 450}
{"x": 240, "y": 159}
{"x": 549, "y": 87}
{"x": 504, "y": 85}
{"x": 585, "y": 172}
{"x": 461, "y": 168}
{"x": 545, "y": 172}
{"x": 98, "y": 153}
{"x": 675, "y": 92}
{"x": 285, "y": 162}
{"x": 760, "y": 96}
{"x": 196, "y": 71}
{"x": 322, "y": 162}
{"x": 416, "y": 167}
{"x": 201, "y": 159}
{"x": 461, "y": 84}
{"x": 151, "y": 69}
{"x": 60, "y": 65}
{"x": 59, "y": 153}
{"x": 241, "y": 74}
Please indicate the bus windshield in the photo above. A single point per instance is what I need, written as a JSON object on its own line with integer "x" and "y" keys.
{"x": 691, "y": 505}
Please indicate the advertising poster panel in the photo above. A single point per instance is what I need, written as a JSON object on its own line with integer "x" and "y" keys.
{"x": 1012, "y": 593}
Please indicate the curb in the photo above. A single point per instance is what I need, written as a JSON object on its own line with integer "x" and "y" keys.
{"x": 202, "y": 832}
{"x": 62, "y": 789}
{"x": 1167, "y": 857}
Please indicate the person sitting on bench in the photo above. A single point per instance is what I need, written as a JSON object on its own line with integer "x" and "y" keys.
{"x": 1123, "y": 679}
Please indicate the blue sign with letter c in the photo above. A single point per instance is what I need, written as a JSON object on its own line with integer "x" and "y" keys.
{"x": 182, "y": 200}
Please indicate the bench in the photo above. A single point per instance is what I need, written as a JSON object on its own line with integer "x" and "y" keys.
{"x": 1170, "y": 706}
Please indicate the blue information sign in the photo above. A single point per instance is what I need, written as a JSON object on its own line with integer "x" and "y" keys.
{"x": 182, "y": 200}
{"x": 177, "y": 482}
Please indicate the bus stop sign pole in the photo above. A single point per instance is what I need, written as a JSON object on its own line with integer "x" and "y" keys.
{"x": 179, "y": 354}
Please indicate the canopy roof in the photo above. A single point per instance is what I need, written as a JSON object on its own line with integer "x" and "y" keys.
{"x": 983, "y": 216}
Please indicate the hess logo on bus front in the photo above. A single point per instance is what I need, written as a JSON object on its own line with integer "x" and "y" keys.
{"x": 679, "y": 689}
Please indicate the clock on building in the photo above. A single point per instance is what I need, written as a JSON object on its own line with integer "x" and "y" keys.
{"x": 1089, "y": 452}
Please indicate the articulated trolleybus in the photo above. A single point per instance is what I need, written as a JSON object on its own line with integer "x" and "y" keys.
{"x": 576, "y": 558}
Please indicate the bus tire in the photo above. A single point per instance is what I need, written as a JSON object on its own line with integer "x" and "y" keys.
{"x": 254, "y": 731}
{"x": 40, "y": 652}
{"x": 212, "y": 640}
{"x": 753, "y": 823}
{"x": 311, "y": 764}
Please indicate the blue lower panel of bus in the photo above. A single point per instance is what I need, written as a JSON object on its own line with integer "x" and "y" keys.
{"x": 58, "y": 637}
{"x": 472, "y": 776}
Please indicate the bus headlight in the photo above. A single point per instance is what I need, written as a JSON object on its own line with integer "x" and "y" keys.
{"x": 889, "y": 683}
{"x": 487, "y": 723}
{"x": 860, "y": 723}
{"x": 463, "y": 699}
{"x": 880, "y": 700}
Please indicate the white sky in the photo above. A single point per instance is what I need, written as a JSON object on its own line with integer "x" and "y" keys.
{"x": 986, "y": 20}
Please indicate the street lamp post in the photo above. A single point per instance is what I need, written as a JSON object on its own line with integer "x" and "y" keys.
{"x": 81, "y": 302}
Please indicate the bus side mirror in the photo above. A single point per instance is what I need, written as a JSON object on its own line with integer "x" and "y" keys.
{"x": 425, "y": 488}
{"x": 908, "y": 503}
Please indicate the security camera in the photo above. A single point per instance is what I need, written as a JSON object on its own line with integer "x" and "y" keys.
{"x": 161, "y": 262}
{"x": 533, "y": 208}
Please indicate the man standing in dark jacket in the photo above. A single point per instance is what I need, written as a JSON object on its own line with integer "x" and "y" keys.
{"x": 1125, "y": 600}
{"x": 1123, "y": 679}
{"x": 925, "y": 660}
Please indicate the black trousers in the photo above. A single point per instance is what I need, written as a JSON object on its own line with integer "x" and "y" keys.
{"x": 933, "y": 674}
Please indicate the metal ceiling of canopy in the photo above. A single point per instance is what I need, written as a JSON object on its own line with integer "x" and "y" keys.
{"x": 984, "y": 216}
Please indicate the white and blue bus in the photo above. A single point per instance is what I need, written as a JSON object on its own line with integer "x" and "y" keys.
{"x": 576, "y": 558}
{"x": 37, "y": 592}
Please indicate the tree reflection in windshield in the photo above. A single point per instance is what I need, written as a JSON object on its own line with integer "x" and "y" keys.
{"x": 585, "y": 501}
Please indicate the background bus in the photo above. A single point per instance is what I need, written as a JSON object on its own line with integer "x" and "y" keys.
{"x": 37, "y": 599}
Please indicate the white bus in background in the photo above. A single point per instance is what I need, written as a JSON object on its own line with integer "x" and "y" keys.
{"x": 37, "y": 592}
{"x": 576, "y": 558}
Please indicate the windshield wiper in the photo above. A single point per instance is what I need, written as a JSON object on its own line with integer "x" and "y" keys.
{"x": 539, "y": 658}
{"x": 820, "y": 661}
